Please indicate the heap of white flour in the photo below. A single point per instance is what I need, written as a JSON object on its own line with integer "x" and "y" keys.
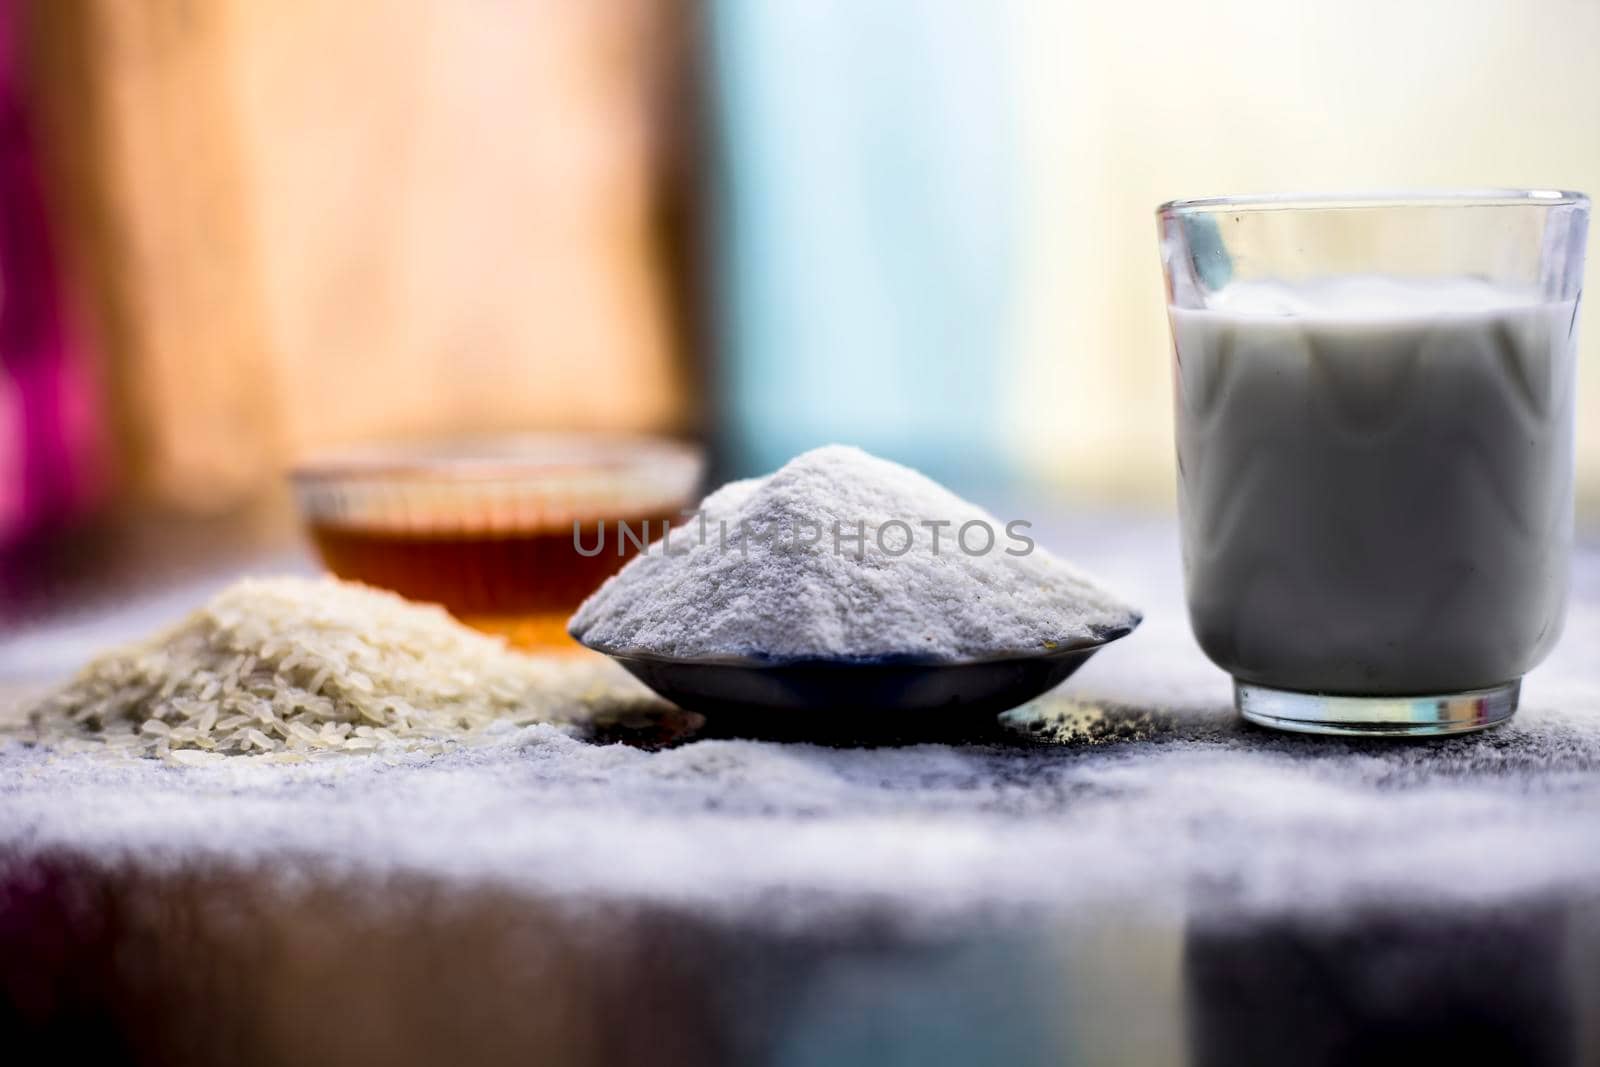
{"x": 843, "y": 555}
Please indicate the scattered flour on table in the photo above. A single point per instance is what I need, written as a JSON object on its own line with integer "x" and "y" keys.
{"x": 840, "y": 554}
{"x": 1200, "y": 812}
{"x": 1205, "y": 815}
{"x": 286, "y": 669}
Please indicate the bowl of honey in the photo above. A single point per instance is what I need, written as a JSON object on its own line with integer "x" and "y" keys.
{"x": 508, "y": 533}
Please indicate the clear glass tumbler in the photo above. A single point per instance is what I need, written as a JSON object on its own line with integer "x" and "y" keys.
{"x": 1374, "y": 401}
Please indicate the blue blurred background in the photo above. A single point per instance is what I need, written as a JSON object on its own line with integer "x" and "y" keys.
{"x": 871, "y": 238}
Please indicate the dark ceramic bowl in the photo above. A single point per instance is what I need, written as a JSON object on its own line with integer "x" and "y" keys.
{"x": 762, "y": 696}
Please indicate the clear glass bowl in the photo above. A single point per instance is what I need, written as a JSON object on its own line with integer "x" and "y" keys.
{"x": 490, "y": 527}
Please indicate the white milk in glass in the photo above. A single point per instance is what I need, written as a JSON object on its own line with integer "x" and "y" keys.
{"x": 1376, "y": 480}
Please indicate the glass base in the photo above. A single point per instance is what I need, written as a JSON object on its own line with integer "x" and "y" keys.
{"x": 1374, "y": 716}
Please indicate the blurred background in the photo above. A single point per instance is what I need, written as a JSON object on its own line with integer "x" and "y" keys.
{"x": 238, "y": 231}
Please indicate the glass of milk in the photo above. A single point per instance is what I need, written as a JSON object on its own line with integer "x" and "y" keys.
{"x": 1374, "y": 403}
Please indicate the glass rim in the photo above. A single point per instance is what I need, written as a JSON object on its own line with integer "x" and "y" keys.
{"x": 1384, "y": 199}
{"x": 518, "y": 457}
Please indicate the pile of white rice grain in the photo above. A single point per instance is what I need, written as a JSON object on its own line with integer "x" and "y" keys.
{"x": 289, "y": 668}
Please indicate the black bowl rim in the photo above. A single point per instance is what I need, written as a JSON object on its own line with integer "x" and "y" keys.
{"x": 1103, "y": 636}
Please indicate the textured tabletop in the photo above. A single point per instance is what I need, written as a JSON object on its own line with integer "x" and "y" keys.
{"x": 1129, "y": 816}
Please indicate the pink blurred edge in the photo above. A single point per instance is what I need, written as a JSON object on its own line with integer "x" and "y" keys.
{"x": 50, "y": 455}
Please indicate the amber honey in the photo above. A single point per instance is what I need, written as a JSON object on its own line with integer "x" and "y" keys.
{"x": 523, "y": 583}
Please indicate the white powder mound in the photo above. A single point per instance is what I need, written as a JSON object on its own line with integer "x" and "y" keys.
{"x": 842, "y": 555}
{"x": 287, "y": 668}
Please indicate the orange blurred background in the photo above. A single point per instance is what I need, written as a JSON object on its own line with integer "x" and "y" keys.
{"x": 293, "y": 224}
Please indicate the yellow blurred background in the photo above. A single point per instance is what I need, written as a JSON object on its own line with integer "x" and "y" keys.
{"x": 1139, "y": 102}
